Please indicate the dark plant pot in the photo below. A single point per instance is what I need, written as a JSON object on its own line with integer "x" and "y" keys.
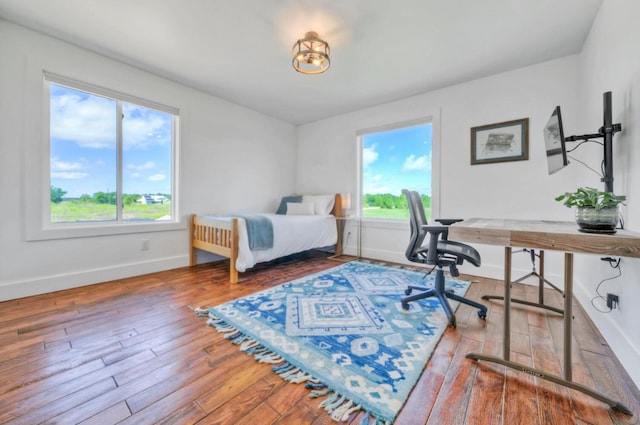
{"x": 592, "y": 220}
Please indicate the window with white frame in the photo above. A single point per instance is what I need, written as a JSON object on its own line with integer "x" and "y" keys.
{"x": 111, "y": 156}
{"x": 393, "y": 159}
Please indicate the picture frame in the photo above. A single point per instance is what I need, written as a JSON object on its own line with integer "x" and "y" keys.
{"x": 500, "y": 142}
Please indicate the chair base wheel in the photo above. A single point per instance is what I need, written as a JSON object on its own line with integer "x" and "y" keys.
{"x": 408, "y": 291}
{"x": 405, "y": 306}
{"x": 482, "y": 314}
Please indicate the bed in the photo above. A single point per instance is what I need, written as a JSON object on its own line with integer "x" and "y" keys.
{"x": 295, "y": 228}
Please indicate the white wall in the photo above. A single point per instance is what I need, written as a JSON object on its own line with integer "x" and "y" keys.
{"x": 609, "y": 62}
{"x": 327, "y": 153}
{"x": 223, "y": 150}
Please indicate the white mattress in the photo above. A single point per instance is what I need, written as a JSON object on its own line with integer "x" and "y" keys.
{"x": 291, "y": 234}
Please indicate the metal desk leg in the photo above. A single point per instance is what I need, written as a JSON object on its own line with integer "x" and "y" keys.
{"x": 541, "y": 282}
{"x": 568, "y": 313}
{"x": 568, "y": 318}
{"x": 506, "y": 341}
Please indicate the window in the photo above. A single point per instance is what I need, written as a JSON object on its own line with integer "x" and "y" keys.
{"x": 392, "y": 160}
{"x": 111, "y": 156}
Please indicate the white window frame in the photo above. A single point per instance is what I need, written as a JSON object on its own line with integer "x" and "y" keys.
{"x": 38, "y": 182}
{"x": 432, "y": 118}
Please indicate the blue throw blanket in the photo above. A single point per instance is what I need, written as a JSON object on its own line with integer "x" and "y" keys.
{"x": 259, "y": 232}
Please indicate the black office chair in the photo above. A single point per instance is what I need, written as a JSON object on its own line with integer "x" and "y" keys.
{"x": 440, "y": 252}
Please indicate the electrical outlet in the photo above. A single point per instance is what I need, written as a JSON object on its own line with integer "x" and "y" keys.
{"x": 145, "y": 245}
{"x": 612, "y": 301}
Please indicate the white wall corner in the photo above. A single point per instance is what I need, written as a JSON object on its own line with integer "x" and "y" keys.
{"x": 626, "y": 349}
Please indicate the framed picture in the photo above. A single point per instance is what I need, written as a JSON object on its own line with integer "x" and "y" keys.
{"x": 501, "y": 142}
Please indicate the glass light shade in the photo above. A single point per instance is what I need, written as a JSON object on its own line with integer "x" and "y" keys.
{"x": 311, "y": 54}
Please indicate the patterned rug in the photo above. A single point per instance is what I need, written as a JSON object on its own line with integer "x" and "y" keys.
{"x": 344, "y": 333}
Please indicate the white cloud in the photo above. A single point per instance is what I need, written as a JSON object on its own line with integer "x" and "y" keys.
{"x": 58, "y": 165}
{"x": 89, "y": 122}
{"x": 369, "y": 156}
{"x": 141, "y": 167}
{"x": 143, "y": 128}
{"x": 413, "y": 163}
{"x": 157, "y": 177}
{"x": 68, "y": 175}
{"x": 67, "y": 170}
{"x": 372, "y": 185}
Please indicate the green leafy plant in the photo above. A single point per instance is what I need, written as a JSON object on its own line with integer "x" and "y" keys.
{"x": 590, "y": 197}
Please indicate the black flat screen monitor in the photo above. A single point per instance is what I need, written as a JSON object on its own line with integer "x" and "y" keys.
{"x": 555, "y": 142}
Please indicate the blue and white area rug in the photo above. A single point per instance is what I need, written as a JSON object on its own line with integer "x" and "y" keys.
{"x": 344, "y": 333}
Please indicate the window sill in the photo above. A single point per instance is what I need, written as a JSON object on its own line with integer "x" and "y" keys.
{"x": 75, "y": 230}
{"x": 393, "y": 224}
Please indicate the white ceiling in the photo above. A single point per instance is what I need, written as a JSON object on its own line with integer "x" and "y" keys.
{"x": 381, "y": 50}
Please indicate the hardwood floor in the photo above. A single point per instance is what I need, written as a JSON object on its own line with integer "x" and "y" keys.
{"x": 133, "y": 352}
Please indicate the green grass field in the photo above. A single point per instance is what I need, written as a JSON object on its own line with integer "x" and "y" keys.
{"x": 72, "y": 211}
{"x": 75, "y": 211}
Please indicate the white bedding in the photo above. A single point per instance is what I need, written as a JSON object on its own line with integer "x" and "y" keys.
{"x": 291, "y": 234}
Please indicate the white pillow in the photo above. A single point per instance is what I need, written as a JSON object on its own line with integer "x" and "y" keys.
{"x": 299, "y": 208}
{"x": 322, "y": 204}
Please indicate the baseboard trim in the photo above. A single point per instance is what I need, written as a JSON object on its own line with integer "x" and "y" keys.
{"x": 26, "y": 288}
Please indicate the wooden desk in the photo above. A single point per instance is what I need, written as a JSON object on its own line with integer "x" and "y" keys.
{"x": 546, "y": 235}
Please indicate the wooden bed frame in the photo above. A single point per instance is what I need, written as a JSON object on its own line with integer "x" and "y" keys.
{"x": 221, "y": 237}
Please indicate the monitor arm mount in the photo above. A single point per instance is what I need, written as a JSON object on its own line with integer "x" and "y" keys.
{"x": 606, "y": 132}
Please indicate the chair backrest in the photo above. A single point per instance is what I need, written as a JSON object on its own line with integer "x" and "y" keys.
{"x": 416, "y": 220}
{"x": 440, "y": 250}
{"x": 418, "y": 208}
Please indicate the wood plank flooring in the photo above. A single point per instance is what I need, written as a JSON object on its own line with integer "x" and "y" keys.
{"x": 133, "y": 352}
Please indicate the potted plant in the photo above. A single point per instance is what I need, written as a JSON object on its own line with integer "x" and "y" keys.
{"x": 596, "y": 211}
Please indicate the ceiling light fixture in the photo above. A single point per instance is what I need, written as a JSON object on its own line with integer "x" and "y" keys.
{"x": 311, "y": 54}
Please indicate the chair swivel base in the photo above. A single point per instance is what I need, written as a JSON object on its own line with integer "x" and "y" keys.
{"x": 443, "y": 296}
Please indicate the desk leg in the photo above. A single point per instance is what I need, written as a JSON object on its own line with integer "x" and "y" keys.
{"x": 568, "y": 313}
{"x": 568, "y": 317}
{"x": 541, "y": 288}
{"x": 506, "y": 340}
{"x": 541, "y": 279}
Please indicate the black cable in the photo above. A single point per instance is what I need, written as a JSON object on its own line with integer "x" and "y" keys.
{"x": 583, "y": 142}
{"x": 599, "y": 296}
{"x": 576, "y": 159}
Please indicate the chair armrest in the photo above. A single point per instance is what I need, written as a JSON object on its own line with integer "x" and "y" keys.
{"x": 448, "y": 221}
{"x": 435, "y": 233}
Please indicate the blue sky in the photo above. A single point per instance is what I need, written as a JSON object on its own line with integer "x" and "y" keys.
{"x": 397, "y": 159}
{"x": 83, "y": 145}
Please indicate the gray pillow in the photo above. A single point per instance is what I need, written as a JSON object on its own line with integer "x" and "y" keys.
{"x": 282, "y": 209}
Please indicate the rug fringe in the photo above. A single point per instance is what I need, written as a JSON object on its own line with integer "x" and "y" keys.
{"x": 345, "y": 410}
{"x": 366, "y": 420}
{"x": 320, "y": 393}
{"x": 314, "y": 385}
{"x": 249, "y": 344}
{"x": 202, "y": 312}
{"x": 338, "y": 406}
{"x": 269, "y": 357}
